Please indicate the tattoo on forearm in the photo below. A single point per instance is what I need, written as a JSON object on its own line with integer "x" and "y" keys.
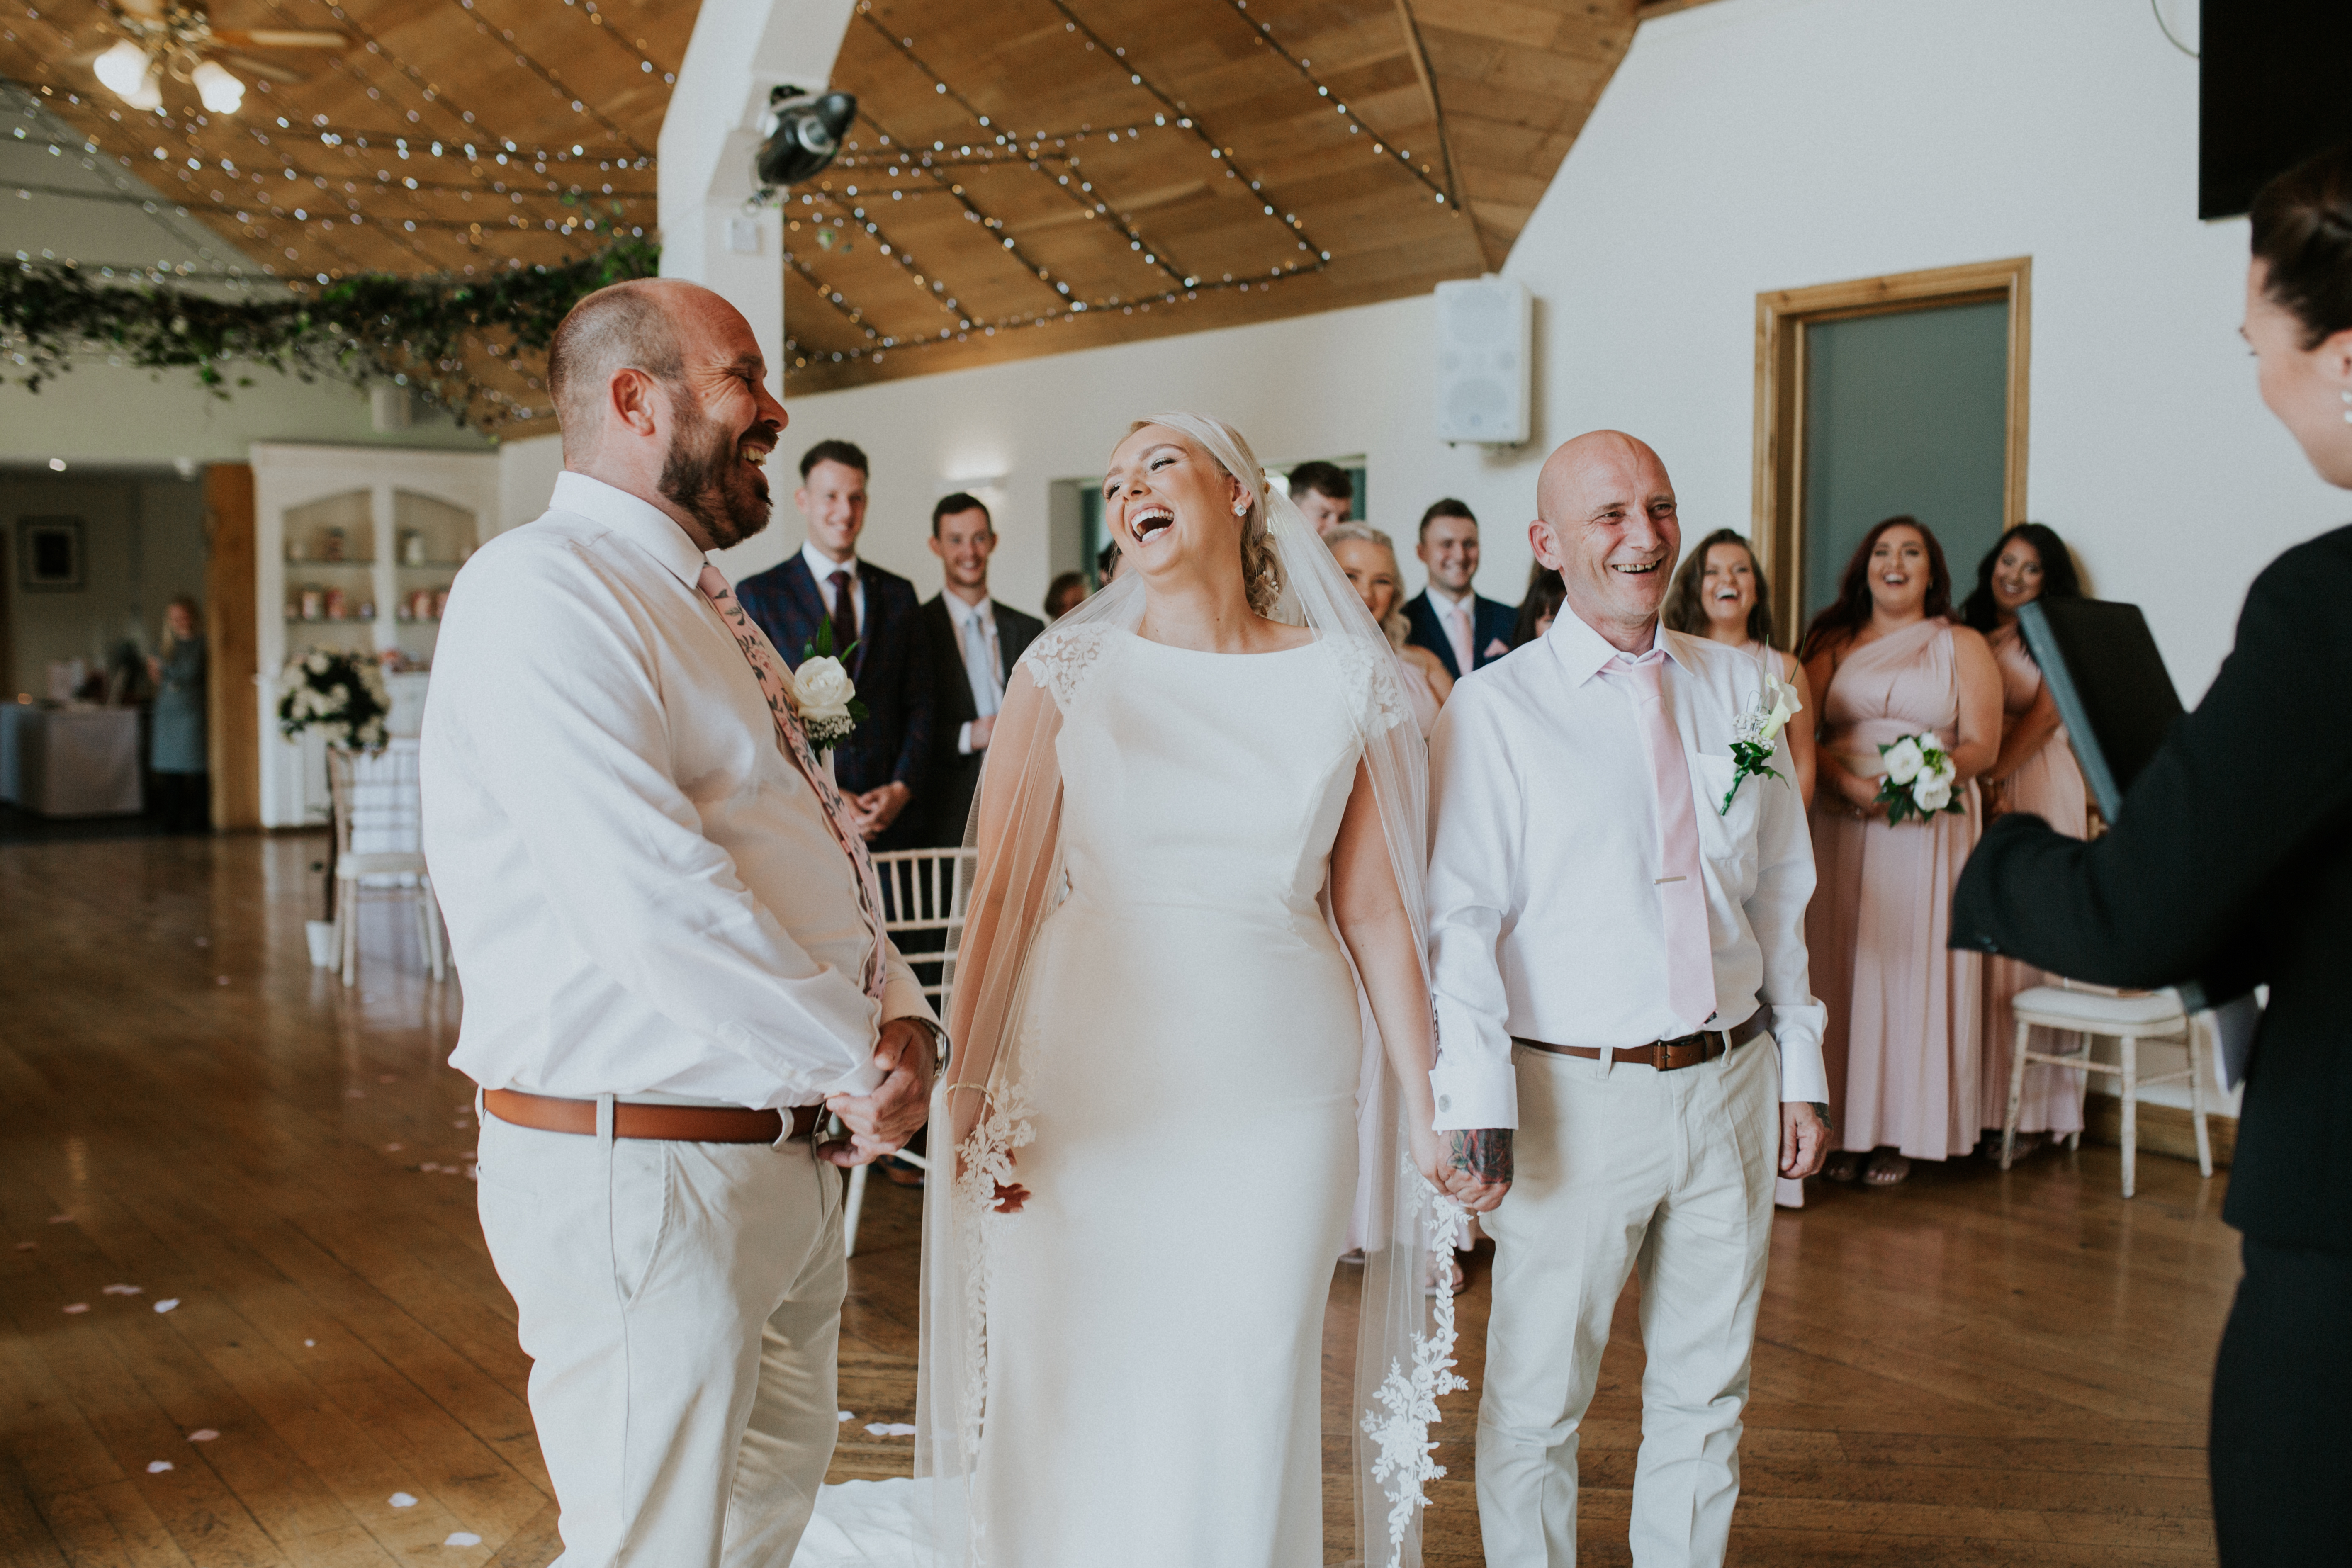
{"x": 1485, "y": 1153}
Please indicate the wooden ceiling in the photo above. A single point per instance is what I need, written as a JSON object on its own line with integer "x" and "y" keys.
{"x": 1025, "y": 177}
{"x": 1030, "y": 176}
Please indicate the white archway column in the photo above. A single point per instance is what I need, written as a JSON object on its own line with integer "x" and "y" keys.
{"x": 741, "y": 49}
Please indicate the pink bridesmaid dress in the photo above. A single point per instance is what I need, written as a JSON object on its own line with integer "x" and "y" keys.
{"x": 2050, "y": 786}
{"x": 1902, "y": 1042}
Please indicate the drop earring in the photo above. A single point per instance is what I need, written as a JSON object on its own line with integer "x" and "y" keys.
{"x": 2347, "y": 409}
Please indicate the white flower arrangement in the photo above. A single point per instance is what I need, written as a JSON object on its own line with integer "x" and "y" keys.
{"x": 339, "y": 694}
{"x": 828, "y": 700}
{"x": 1920, "y": 779}
{"x": 823, "y": 695}
{"x": 1754, "y": 732}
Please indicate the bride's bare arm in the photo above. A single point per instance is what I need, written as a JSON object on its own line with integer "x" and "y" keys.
{"x": 1009, "y": 890}
{"x": 1373, "y": 923}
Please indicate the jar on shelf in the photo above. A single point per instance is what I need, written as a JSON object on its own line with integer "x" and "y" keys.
{"x": 412, "y": 547}
{"x": 440, "y": 602}
{"x": 333, "y": 550}
{"x": 338, "y": 604}
{"x": 314, "y": 604}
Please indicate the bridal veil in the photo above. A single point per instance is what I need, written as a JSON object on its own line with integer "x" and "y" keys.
{"x": 1403, "y": 1338}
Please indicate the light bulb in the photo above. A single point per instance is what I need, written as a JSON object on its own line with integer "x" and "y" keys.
{"x": 124, "y": 69}
{"x": 221, "y": 91}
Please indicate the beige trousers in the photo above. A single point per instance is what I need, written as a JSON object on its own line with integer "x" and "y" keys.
{"x": 1627, "y": 1170}
{"x": 681, "y": 1306}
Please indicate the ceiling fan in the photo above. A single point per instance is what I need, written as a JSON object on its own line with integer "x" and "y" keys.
{"x": 167, "y": 36}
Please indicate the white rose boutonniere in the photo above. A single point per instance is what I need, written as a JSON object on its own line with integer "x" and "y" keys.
{"x": 823, "y": 694}
{"x": 1920, "y": 779}
{"x": 1754, "y": 733}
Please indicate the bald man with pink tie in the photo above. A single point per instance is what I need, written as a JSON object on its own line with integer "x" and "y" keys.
{"x": 1619, "y": 961}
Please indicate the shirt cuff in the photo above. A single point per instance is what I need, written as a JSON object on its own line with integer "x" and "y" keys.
{"x": 1472, "y": 1095}
{"x": 963, "y": 738}
{"x": 1803, "y": 1076}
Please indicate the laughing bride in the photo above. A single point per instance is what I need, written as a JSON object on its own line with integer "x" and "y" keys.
{"x": 1154, "y": 1098}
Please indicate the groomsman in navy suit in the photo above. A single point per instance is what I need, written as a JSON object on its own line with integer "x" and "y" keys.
{"x": 1465, "y": 630}
{"x": 974, "y": 643}
{"x": 873, "y": 613}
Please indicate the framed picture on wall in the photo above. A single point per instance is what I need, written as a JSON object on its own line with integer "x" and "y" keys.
{"x": 48, "y": 554}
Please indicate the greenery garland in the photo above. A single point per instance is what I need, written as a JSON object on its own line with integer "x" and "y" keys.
{"x": 367, "y": 329}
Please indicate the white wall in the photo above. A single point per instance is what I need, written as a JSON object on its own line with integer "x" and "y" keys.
{"x": 1744, "y": 146}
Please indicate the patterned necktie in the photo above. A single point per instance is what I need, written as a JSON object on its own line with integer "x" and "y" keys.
{"x": 760, "y": 655}
{"x": 1682, "y": 897}
{"x": 845, "y": 617}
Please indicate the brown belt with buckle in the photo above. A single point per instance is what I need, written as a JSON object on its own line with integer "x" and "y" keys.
{"x": 1666, "y": 1055}
{"x": 676, "y": 1123}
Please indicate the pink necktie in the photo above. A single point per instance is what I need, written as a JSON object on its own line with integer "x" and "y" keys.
{"x": 1682, "y": 897}
{"x": 793, "y": 742}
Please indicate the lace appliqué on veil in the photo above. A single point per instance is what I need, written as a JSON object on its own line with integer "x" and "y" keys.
{"x": 1376, "y": 701}
{"x": 1060, "y": 661}
{"x": 1408, "y": 1400}
{"x": 986, "y": 1159}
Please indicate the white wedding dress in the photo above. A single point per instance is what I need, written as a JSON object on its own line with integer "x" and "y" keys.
{"x": 1191, "y": 1045}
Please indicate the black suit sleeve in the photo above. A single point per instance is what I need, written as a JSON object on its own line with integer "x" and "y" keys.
{"x": 2252, "y": 781}
{"x": 913, "y": 763}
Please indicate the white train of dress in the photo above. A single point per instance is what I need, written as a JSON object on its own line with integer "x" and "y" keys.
{"x": 1191, "y": 1048}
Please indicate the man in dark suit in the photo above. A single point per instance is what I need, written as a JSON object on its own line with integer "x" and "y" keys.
{"x": 2230, "y": 862}
{"x": 972, "y": 643}
{"x": 1450, "y": 618}
{"x": 875, "y": 614}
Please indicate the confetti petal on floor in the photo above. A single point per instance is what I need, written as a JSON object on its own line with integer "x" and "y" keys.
{"x": 61, "y": 1219}
{"x": 889, "y": 1428}
{"x": 79, "y": 1307}
{"x": 26, "y": 1246}
{"x": 402, "y": 1499}
{"x": 167, "y": 1303}
{"x": 203, "y": 1435}
{"x": 222, "y": 980}
{"x": 462, "y": 1538}
{"x": 846, "y": 1415}
{"x": 311, "y": 1343}
{"x": 122, "y": 1291}
{"x": 394, "y": 1148}
{"x": 157, "y": 1467}
{"x": 355, "y": 1094}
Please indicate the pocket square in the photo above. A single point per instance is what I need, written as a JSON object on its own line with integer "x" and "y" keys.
{"x": 1496, "y": 649}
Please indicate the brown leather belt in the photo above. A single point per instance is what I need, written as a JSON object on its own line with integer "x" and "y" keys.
{"x": 676, "y": 1123}
{"x": 1666, "y": 1055}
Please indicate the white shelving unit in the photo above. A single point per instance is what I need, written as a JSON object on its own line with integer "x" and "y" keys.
{"x": 353, "y": 544}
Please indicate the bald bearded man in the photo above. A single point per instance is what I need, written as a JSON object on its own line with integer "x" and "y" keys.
{"x": 670, "y": 937}
{"x": 1619, "y": 964}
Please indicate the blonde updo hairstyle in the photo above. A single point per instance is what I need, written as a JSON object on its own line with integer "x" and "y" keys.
{"x": 1395, "y": 626}
{"x": 1226, "y": 448}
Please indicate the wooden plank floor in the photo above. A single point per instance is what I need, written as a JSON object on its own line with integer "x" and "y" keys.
{"x": 1972, "y": 1369}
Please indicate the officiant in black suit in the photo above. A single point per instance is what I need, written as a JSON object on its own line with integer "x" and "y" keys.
{"x": 971, "y": 644}
{"x": 2230, "y": 863}
{"x": 1449, "y": 618}
{"x": 873, "y": 614}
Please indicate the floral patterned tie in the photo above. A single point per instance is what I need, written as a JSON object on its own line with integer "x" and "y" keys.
{"x": 760, "y": 655}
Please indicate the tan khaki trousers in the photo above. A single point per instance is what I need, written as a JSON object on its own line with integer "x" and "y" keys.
{"x": 681, "y": 1306}
{"x": 1627, "y": 1170}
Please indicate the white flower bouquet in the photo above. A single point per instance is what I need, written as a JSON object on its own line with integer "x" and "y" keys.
{"x": 1754, "y": 732}
{"x": 339, "y": 694}
{"x": 825, "y": 695}
{"x": 1920, "y": 779}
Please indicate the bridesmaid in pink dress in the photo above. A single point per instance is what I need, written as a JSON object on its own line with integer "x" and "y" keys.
{"x": 1902, "y": 1046}
{"x": 2035, "y": 772}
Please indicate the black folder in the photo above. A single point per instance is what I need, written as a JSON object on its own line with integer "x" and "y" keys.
{"x": 2110, "y": 684}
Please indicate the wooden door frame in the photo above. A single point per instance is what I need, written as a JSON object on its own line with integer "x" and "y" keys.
{"x": 1777, "y": 529}
{"x": 232, "y": 615}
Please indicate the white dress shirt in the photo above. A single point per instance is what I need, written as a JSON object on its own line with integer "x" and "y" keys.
{"x": 642, "y": 890}
{"x": 1458, "y": 616}
{"x": 825, "y": 566}
{"x": 975, "y": 629}
{"x": 1545, "y": 921}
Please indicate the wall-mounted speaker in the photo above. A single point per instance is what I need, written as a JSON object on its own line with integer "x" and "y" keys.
{"x": 1485, "y": 360}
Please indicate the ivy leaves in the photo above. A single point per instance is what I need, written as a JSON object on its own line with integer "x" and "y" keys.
{"x": 362, "y": 330}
